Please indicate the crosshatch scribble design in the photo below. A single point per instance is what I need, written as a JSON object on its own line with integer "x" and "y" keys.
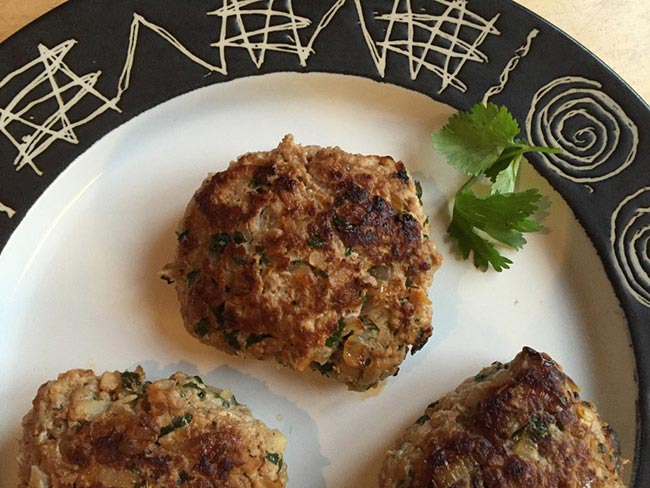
{"x": 46, "y": 109}
{"x": 259, "y": 26}
{"x": 39, "y": 114}
{"x": 441, "y": 41}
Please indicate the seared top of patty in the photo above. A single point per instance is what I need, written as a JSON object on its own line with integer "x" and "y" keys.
{"x": 294, "y": 253}
{"x": 120, "y": 431}
{"x": 512, "y": 425}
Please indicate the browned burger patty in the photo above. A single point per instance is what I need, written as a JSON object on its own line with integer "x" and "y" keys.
{"x": 520, "y": 424}
{"x": 310, "y": 256}
{"x": 118, "y": 431}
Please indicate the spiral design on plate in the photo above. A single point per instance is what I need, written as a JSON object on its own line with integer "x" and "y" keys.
{"x": 596, "y": 136}
{"x": 630, "y": 241}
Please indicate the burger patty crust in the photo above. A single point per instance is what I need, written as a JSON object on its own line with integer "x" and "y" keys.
{"x": 310, "y": 256}
{"x": 520, "y": 424}
{"x": 119, "y": 431}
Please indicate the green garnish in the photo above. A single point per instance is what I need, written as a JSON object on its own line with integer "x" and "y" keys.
{"x": 130, "y": 380}
{"x": 182, "y": 477}
{"x": 232, "y": 338}
{"x": 275, "y": 458}
{"x": 193, "y": 275}
{"x": 218, "y": 243}
{"x": 322, "y": 368}
{"x": 182, "y": 235}
{"x": 200, "y": 392}
{"x": 418, "y": 191}
{"x": 335, "y": 338}
{"x": 218, "y": 312}
{"x": 239, "y": 260}
{"x": 253, "y": 339}
{"x": 424, "y": 418}
{"x": 263, "y": 260}
{"x": 482, "y": 142}
{"x": 316, "y": 242}
{"x": 238, "y": 237}
{"x": 176, "y": 423}
{"x": 535, "y": 430}
{"x": 225, "y": 403}
{"x": 202, "y": 327}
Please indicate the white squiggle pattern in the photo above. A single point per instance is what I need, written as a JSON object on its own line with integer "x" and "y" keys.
{"x": 452, "y": 39}
{"x": 46, "y": 109}
{"x": 597, "y": 137}
{"x": 64, "y": 89}
{"x": 56, "y": 89}
{"x": 280, "y": 31}
{"x": 521, "y": 52}
{"x": 630, "y": 241}
{"x": 7, "y": 210}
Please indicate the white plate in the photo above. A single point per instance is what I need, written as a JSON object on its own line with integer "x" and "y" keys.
{"x": 79, "y": 285}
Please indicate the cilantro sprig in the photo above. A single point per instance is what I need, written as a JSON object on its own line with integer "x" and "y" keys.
{"x": 483, "y": 144}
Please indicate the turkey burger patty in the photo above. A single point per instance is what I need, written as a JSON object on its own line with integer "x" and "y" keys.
{"x": 310, "y": 256}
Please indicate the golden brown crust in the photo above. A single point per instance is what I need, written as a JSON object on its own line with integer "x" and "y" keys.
{"x": 312, "y": 257}
{"x": 118, "y": 431}
{"x": 515, "y": 425}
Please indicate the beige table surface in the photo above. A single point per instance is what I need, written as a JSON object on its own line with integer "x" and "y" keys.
{"x": 617, "y": 31}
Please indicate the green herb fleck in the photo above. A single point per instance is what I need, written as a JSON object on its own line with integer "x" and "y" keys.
{"x": 275, "y": 458}
{"x": 232, "y": 339}
{"x": 340, "y": 223}
{"x": 131, "y": 381}
{"x": 182, "y": 477}
{"x": 240, "y": 260}
{"x": 422, "y": 419}
{"x": 321, "y": 272}
{"x": 348, "y": 251}
{"x": 322, "y": 368}
{"x": 176, "y": 423}
{"x": 370, "y": 326}
{"x": 316, "y": 242}
{"x": 182, "y": 235}
{"x": 218, "y": 243}
{"x": 238, "y": 237}
{"x": 225, "y": 403}
{"x": 200, "y": 392}
{"x": 418, "y": 191}
{"x": 253, "y": 339}
{"x": 335, "y": 338}
{"x": 193, "y": 275}
{"x": 218, "y": 312}
{"x": 409, "y": 283}
{"x": 202, "y": 327}
{"x": 535, "y": 430}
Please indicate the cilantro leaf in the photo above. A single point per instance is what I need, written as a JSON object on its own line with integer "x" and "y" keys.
{"x": 473, "y": 141}
{"x": 502, "y": 216}
{"x": 482, "y": 143}
{"x": 505, "y": 181}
